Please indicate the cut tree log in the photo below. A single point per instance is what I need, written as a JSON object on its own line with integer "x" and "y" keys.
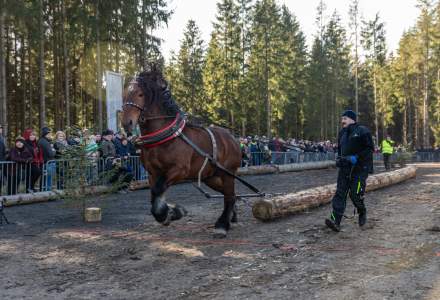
{"x": 92, "y": 214}
{"x": 280, "y": 206}
{"x": 50, "y": 195}
{"x": 270, "y": 169}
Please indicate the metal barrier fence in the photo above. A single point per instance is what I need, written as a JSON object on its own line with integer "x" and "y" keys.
{"x": 57, "y": 174}
{"x": 431, "y": 156}
{"x": 282, "y": 158}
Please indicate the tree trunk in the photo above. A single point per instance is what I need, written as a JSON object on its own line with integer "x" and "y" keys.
{"x": 99, "y": 71}
{"x": 266, "y": 94}
{"x": 42, "y": 71}
{"x": 24, "y": 82}
{"x": 31, "y": 94}
{"x": 66, "y": 66}
{"x": 3, "y": 87}
{"x": 376, "y": 123}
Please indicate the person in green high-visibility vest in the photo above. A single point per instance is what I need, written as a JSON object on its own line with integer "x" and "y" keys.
{"x": 387, "y": 150}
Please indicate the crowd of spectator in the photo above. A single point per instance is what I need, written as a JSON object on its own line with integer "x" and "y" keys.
{"x": 261, "y": 150}
{"x": 32, "y": 155}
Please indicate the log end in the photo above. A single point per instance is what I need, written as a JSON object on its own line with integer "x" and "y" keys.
{"x": 263, "y": 210}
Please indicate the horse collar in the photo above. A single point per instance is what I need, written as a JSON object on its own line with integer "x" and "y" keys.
{"x": 164, "y": 134}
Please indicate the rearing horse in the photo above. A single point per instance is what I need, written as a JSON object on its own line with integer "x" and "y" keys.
{"x": 167, "y": 153}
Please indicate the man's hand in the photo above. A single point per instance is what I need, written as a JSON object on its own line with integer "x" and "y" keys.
{"x": 353, "y": 159}
{"x": 346, "y": 161}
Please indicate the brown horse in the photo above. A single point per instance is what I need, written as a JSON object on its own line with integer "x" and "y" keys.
{"x": 170, "y": 159}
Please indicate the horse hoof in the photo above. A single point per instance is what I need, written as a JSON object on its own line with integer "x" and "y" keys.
{"x": 178, "y": 213}
{"x": 220, "y": 233}
{"x": 168, "y": 220}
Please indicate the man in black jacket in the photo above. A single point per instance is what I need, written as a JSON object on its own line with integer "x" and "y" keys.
{"x": 45, "y": 143}
{"x": 355, "y": 162}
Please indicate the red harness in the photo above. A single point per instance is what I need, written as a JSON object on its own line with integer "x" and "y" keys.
{"x": 163, "y": 135}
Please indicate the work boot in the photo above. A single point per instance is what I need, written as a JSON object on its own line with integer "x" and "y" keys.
{"x": 362, "y": 217}
{"x": 333, "y": 225}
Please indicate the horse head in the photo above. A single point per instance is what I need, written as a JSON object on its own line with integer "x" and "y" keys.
{"x": 146, "y": 96}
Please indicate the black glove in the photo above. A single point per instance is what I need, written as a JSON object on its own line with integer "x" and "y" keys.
{"x": 342, "y": 162}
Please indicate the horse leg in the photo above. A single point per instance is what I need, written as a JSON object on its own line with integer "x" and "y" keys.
{"x": 223, "y": 223}
{"x": 216, "y": 183}
{"x": 159, "y": 208}
{"x": 163, "y": 212}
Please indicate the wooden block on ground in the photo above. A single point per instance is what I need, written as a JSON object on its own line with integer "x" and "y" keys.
{"x": 92, "y": 214}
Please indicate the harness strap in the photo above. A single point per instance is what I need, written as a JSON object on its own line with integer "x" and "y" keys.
{"x": 214, "y": 144}
{"x": 214, "y": 155}
{"x": 199, "y": 181}
{"x": 218, "y": 165}
{"x": 165, "y": 134}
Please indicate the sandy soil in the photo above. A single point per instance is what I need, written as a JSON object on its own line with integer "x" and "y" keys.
{"x": 48, "y": 253}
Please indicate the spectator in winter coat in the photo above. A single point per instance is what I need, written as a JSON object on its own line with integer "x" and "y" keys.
{"x": 123, "y": 149}
{"x": 255, "y": 150}
{"x": 107, "y": 147}
{"x": 2, "y": 154}
{"x": 49, "y": 152}
{"x": 92, "y": 147}
{"x": 60, "y": 144}
{"x": 117, "y": 140}
{"x": 37, "y": 156}
{"x": 2, "y": 146}
{"x": 20, "y": 170}
{"x": 45, "y": 143}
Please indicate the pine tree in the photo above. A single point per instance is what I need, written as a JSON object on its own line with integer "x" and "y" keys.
{"x": 425, "y": 30}
{"x": 291, "y": 77}
{"x": 355, "y": 24}
{"x": 373, "y": 41}
{"x": 265, "y": 58}
{"x": 188, "y": 81}
{"x": 338, "y": 63}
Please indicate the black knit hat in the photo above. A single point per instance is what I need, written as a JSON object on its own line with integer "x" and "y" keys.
{"x": 45, "y": 131}
{"x": 107, "y": 132}
{"x": 350, "y": 114}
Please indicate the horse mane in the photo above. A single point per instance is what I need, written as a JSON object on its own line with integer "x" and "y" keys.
{"x": 154, "y": 84}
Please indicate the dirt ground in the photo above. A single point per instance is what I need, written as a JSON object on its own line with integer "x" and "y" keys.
{"x": 48, "y": 253}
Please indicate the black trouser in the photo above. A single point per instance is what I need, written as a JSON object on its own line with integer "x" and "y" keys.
{"x": 35, "y": 174}
{"x": 353, "y": 183}
{"x": 387, "y": 161}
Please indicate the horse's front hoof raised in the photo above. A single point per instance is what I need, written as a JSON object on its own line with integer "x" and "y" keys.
{"x": 220, "y": 233}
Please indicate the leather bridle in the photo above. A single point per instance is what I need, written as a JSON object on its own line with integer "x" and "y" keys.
{"x": 164, "y": 134}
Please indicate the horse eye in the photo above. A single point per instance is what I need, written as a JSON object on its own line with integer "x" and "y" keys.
{"x": 140, "y": 95}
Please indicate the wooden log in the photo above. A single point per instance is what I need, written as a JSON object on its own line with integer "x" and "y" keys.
{"x": 315, "y": 165}
{"x": 92, "y": 214}
{"x": 271, "y": 169}
{"x": 51, "y": 195}
{"x": 269, "y": 209}
{"x": 257, "y": 170}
